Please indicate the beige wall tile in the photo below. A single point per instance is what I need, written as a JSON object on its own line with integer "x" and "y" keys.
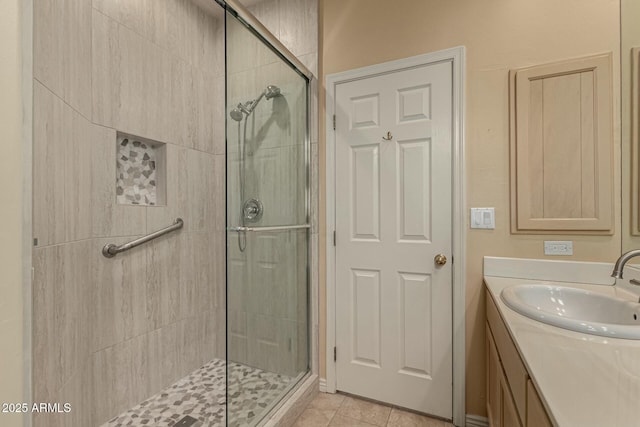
{"x": 130, "y": 81}
{"x": 62, "y": 50}
{"x": 268, "y": 13}
{"x": 62, "y": 323}
{"x": 177, "y": 176}
{"x": 205, "y": 192}
{"x": 165, "y": 272}
{"x": 218, "y": 257}
{"x": 62, "y": 171}
{"x": 221, "y": 330}
{"x": 170, "y": 352}
{"x": 120, "y": 297}
{"x": 237, "y": 337}
{"x": 78, "y": 218}
{"x": 188, "y": 335}
{"x": 207, "y": 111}
{"x": 310, "y": 60}
{"x": 78, "y": 392}
{"x": 242, "y": 47}
{"x": 113, "y": 381}
{"x": 51, "y": 130}
{"x": 299, "y": 25}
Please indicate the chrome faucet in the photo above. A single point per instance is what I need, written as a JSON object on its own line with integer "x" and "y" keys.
{"x": 620, "y": 263}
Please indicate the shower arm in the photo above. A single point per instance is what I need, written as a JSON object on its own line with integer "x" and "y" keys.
{"x": 253, "y": 104}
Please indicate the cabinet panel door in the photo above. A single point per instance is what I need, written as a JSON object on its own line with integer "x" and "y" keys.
{"x": 536, "y": 414}
{"x": 514, "y": 369}
{"x": 494, "y": 373}
{"x": 562, "y": 147}
{"x": 509, "y": 412}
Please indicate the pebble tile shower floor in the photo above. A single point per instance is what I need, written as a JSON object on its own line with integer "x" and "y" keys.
{"x": 201, "y": 395}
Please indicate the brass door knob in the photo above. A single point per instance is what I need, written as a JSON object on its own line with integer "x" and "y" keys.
{"x": 440, "y": 259}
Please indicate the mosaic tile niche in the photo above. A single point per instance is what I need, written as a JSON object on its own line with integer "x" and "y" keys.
{"x": 139, "y": 171}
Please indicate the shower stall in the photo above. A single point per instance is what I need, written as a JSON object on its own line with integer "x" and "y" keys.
{"x": 172, "y": 211}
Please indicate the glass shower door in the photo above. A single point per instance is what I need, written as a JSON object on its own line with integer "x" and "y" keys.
{"x": 267, "y": 226}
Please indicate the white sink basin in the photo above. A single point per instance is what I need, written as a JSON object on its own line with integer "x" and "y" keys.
{"x": 576, "y": 309}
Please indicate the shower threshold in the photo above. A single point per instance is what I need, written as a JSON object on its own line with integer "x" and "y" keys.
{"x": 201, "y": 395}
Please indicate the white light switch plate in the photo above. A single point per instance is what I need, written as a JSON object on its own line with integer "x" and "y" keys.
{"x": 552, "y": 247}
{"x": 483, "y": 218}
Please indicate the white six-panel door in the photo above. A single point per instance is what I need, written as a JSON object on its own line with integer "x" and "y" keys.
{"x": 393, "y": 216}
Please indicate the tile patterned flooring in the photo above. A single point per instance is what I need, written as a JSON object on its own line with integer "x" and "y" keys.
{"x": 201, "y": 395}
{"x": 339, "y": 410}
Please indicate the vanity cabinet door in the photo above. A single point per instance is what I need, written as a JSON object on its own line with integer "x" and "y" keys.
{"x": 509, "y": 357}
{"x": 536, "y": 414}
{"x": 500, "y": 405}
{"x": 510, "y": 416}
{"x": 494, "y": 385}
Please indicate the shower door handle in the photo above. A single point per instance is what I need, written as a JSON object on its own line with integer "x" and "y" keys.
{"x": 272, "y": 228}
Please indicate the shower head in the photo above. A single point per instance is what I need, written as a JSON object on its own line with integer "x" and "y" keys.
{"x": 247, "y": 108}
{"x": 236, "y": 114}
{"x": 271, "y": 92}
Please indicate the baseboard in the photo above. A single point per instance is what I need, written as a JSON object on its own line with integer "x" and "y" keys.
{"x": 476, "y": 421}
{"x": 323, "y": 385}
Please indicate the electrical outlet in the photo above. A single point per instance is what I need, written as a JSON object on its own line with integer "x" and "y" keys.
{"x": 558, "y": 247}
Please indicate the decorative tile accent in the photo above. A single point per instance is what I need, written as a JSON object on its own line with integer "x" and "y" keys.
{"x": 201, "y": 395}
{"x": 137, "y": 164}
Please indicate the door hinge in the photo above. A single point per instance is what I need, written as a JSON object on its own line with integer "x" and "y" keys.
{"x": 334, "y": 122}
{"x": 335, "y": 354}
{"x": 334, "y": 237}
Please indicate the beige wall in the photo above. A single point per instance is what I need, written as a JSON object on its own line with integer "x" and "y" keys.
{"x": 499, "y": 35}
{"x": 11, "y": 186}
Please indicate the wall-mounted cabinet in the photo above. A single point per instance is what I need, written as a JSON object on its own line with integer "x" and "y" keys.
{"x": 562, "y": 147}
{"x": 635, "y": 141}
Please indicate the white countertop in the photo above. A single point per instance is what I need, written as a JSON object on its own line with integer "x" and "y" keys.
{"x": 583, "y": 380}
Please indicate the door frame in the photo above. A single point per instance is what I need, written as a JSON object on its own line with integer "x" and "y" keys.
{"x": 456, "y": 56}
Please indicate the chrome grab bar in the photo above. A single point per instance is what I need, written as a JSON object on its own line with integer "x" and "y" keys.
{"x": 273, "y": 228}
{"x": 110, "y": 250}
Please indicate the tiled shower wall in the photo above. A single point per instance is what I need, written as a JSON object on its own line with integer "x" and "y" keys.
{"x": 108, "y": 333}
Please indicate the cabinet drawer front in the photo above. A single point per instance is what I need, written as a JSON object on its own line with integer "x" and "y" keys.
{"x": 513, "y": 367}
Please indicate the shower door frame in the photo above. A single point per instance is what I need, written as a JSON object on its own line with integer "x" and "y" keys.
{"x": 301, "y": 389}
{"x": 456, "y": 56}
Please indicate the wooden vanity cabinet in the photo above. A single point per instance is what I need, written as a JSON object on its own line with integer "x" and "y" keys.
{"x": 500, "y": 405}
{"x": 512, "y": 400}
